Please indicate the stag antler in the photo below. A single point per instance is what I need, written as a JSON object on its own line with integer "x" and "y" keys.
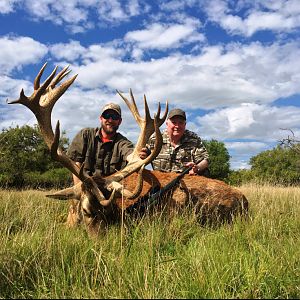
{"x": 148, "y": 127}
{"x": 41, "y": 103}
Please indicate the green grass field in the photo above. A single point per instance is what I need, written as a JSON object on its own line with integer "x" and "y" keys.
{"x": 152, "y": 257}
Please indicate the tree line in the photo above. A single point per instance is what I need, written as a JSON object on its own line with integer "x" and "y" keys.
{"x": 25, "y": 161}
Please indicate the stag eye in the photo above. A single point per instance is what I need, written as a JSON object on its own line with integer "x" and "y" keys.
{"x": 86, "y": 213}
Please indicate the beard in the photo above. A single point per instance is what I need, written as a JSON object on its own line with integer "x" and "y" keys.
{"x": 110, "y": 128}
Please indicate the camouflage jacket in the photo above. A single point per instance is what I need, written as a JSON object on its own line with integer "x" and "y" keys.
{"x": 191, "y": 148}
{"x": 98, "y": 157}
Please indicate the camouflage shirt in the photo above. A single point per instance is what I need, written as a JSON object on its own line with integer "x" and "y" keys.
{"x": 173, "y": 159}
{"x": 101, "y": 158}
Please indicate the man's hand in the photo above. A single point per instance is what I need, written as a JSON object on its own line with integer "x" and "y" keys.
{"x": 196, "y": 169}
{"x": 144, "y": 153}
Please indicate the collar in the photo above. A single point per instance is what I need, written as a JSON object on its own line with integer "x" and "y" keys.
{"x": 99, "y": 136}
{"x": 166, "y": 138}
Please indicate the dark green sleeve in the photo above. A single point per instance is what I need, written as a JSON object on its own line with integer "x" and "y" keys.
{"x": 77, "y": 148}
{"x": 126, "y": 148}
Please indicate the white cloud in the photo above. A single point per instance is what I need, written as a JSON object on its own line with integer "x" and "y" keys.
{"x": 73, "y": 14}
{"x": 173, "y": 5}
{"x": 165, "y": 36}
{"x": 116, "y": 11}
{"x": 269, "y": 21}
{"x": 19, "y": 51}
{"x": 246, "y": 146}
{"x": 7, "y": 6}
{"x": 11, "y": 87}
{"x": 67, "y": 51}
{"x": 250, "y": 121}
{"x": 78, "y": 16}
{"x": 248, "y": 17}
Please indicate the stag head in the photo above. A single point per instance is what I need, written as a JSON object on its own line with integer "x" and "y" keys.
{"x": 95, "y": 209}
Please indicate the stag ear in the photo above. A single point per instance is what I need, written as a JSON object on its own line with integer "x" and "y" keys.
{"x": 63, "y": 194}
{"x": 73, "y": 192}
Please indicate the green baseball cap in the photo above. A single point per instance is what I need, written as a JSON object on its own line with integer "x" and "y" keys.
{"x": 111, "y": 106}
{"x": 177, "y": 112}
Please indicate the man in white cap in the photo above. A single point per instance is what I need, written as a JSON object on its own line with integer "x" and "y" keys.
{"x": 181, "y": 147}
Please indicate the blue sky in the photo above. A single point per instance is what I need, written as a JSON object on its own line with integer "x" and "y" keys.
{"x": 232, "y": 65}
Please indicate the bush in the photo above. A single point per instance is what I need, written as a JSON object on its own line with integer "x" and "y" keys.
{"x": 279, "y": 165}
{"x": 55, "y": 178}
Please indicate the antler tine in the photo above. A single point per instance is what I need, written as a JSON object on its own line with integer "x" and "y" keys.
{"x": 157, "y": 144}
{"x": 147, "y": 112}
{"x": 162, "y": 120}
{"x": 58, "y": 91}
{"x": 37, "y": 79}
{"x": 58, "y": 155}
{"x": 41, "y": 90}
{"x": 22, "y": 100}
{"x": 55, "y": 143}
{"x": 132, "y": 106}
{"x": 63, "y": 73}
{"x": 157, "y": 115}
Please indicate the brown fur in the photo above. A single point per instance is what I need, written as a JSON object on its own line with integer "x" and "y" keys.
{"x": 199, "y": 190}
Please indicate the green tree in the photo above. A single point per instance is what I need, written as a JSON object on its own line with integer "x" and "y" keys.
{"x": 279, "y": 165}
{"x": 239, "y": 177}
{"x": 23, "y": 151}
{"x": 219, "y": 159}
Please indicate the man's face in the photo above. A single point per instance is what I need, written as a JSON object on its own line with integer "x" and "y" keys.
{"x": 176, "y": 127}
{"x": 110, "y": 121}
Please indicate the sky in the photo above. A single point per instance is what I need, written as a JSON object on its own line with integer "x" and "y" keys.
{"x": 232, "y": 65}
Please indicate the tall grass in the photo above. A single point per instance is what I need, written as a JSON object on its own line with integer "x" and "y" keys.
{"x": 152, "y": 257}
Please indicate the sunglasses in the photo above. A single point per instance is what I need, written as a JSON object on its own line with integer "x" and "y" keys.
{"x": 107, "y": 116}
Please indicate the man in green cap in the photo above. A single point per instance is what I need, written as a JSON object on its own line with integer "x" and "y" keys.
{"x": 102, "y": 150}
{"x": 181, "y": 147}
